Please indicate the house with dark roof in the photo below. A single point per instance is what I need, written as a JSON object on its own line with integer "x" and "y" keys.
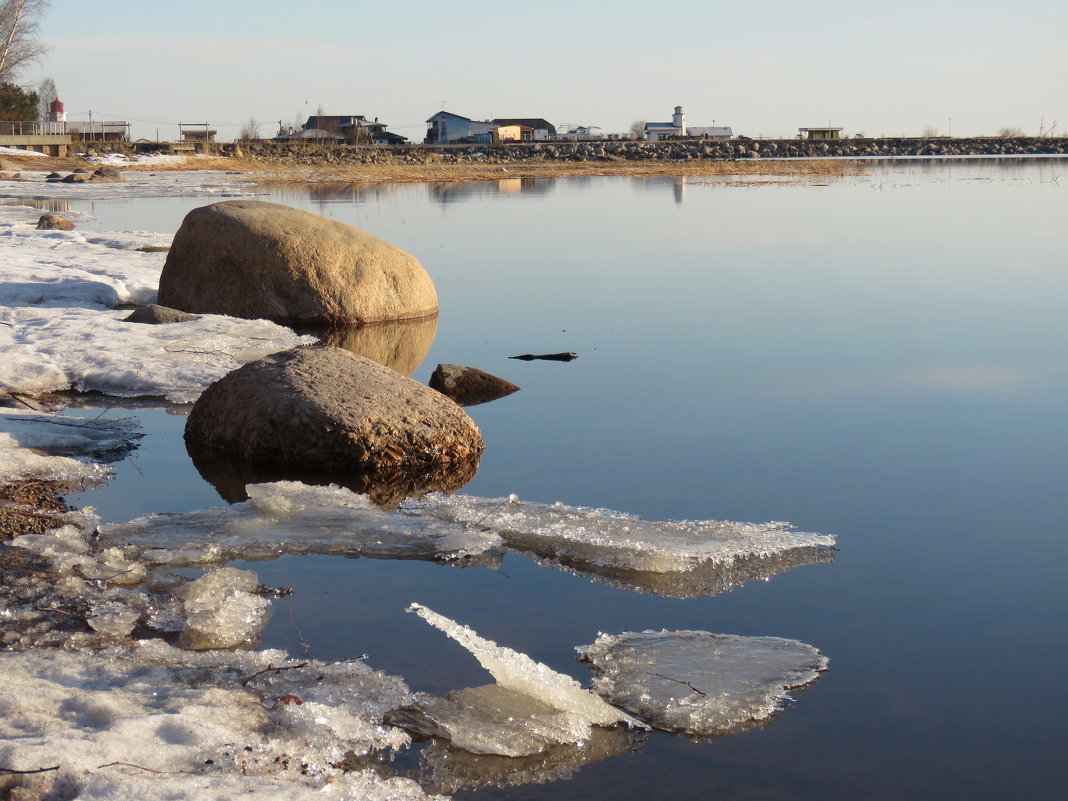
{"x": 355, "y": 129}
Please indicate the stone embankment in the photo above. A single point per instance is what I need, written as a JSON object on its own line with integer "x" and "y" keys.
{"x": 631, "y": 151}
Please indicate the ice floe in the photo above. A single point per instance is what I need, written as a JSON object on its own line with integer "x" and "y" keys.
{"x": 289, "y": 517}
{"x": 697, "y": 682}
{"x": 530, "y": 708}
{"x": 679, "y": 559}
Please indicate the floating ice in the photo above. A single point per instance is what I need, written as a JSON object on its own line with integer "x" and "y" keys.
{"x": 222, "y": 610}
{"x": 681, "y": 559}
{"x": 69, "y": 436}
{"x": 151, "y": 721}
{"x": 529, "y": 709}
{"x": 289, "y": 517}
{"x": 700, "y": 683}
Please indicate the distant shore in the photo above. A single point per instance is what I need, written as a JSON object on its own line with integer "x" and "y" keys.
{"x": 316, "y": 162}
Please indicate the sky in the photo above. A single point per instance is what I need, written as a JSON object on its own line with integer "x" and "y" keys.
{"x": 765, "y": 69}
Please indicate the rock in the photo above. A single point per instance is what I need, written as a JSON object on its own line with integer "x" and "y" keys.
{"x": 54, "y": 222}
{"x": 469, "y": 386}
{"x": 53, "y": 176}
{"x": 248, "y": 258}
{"x": 155, "y": 314}
{"x": 76, "y": 178}
{"x": 325, "y": 409}
{"x": 548, "y": 357}
{"x": 106, "y": 175}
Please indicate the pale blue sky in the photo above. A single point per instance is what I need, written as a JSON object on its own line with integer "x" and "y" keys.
{"x": 763, "y": 68}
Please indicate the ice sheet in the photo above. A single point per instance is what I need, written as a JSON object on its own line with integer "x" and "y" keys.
{"x": 602, "y": 538}
{"x": 529, "y": 709}
{"x": 184, "y": 183}
{"x": 70, "y": 436}
{"x": 289, "y": 517}
{"x": 698, "y": 682}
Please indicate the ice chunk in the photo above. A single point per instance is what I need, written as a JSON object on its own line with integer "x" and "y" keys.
{"x": 531, "y": 706}
{"x": 605, "y": 542}
{"x": 222, "y": 610}
{"x": 69, "y": 436}
{"x": 697, "y": 682}
{"x": 116, "y": 619}
{"x": 289, "y": 517}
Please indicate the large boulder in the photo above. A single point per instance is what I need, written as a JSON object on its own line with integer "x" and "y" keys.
{"x": 248, "y": 258}
{"x": 54, "y": 222}
{"x": 327, "y": 410}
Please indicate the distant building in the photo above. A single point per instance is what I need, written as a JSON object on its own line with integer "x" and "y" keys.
{"x": 194, "y": 135}
{"x": 678, "y": 129}
{"x": 355, "y": 129}
{"x": 100, "y": 130}
{"x": 447, "y": 128}
{"x": 819, "y": 133}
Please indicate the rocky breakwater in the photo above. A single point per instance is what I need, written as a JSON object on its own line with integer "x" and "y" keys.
{"x": 257, "y": 260}
{"x": 639, "y": 151}
{"x": 328, "y": 415}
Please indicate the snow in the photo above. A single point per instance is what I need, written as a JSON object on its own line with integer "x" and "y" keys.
{"x": 36, "y": 446}
{"x": 289, "y": 517}
{"x": 681, "y": 559}
{"x": 151, "y": 721}
{"x": 177, "y": 183}
{"x": 530, "y": 708}
{"x": 14, "y": 151}
{"x": 59, "y": 330}
{"x": 697, "y": 682}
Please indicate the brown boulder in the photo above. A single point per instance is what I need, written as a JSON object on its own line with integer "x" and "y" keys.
{"x": 248, "y": 258}
{"x": 469, "y": 386}
{"x": 326, "y": 409}
{"x": 54, "y": 222}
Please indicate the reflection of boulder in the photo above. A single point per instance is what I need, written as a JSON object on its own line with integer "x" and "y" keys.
{"x": 230, "y": 475}
{"x": 400, "y": 345}
{"x": 327, "y": 411}
{"x": 448, "y": 771}
{"x": 469, "y": 386}
{"x": 248, "y": 258}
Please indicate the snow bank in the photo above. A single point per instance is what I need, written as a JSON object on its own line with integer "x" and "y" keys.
{"x": 700, "y": 683}
{"x": 528, "y": 710}
{"x": 681, "y": 559}
{"x": 179, "y": 183}
{"x": 289, "y": 517}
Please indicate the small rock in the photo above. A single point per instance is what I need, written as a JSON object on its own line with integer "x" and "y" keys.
{"x": 54, "y": 222}
{"x": 155, "y": 314}
{"x": 469, "y": 386}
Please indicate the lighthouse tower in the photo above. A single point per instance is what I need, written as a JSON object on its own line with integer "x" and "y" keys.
{"x": 56, "y": 112}
{"x": 678, "y": 119}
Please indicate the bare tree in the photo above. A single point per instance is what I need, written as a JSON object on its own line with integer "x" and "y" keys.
{"x": 637, "y": 129}
{"x": 250, "y": 131}
{"x": 1009, "y": 132}
{"x": 930, "y": 132}
{"x": 19, "y": 45}
{"x": 46, "y": 93}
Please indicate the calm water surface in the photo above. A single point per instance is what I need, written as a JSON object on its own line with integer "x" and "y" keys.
{"x": 880, "y": 357}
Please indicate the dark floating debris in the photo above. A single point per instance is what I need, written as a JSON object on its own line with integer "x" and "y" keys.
{"x": 549, "y": 357}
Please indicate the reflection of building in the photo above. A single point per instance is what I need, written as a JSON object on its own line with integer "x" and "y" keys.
{"x": 678, "y": 129}
{"x": 452, "y": 192}
{"x": 819, "y": 133}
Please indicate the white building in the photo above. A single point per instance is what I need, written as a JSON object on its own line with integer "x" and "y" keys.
{"x": 655, "y": 131}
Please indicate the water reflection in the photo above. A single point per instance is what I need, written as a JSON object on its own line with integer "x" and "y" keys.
{"x": 400, "y": 345}
{"x": 445, "y": 770}
{"x": 708, "y": 578}
{"x": 453, "y": 192}
{"x": 39, "y": 203}
{"x": 229, "y": 476}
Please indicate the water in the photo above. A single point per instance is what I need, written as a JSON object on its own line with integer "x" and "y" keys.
{"x": 878, "y": 356}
